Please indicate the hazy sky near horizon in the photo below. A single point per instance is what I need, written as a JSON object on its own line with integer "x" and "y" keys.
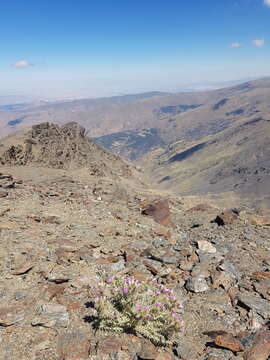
{"x": 60, "y": 48}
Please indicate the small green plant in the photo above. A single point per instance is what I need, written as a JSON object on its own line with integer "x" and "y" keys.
{"x": 147, "y": 308}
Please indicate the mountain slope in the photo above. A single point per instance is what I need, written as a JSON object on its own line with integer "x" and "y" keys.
{"x": 175, "y": 123}
{"x": 235, "y": 159}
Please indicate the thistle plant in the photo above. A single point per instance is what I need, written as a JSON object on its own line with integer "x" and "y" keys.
{"x": 145, "y": 308}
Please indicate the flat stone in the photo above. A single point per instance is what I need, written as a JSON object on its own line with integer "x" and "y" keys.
{"x": 261, "y": 347}
{"x": 23, "y": 269}
{"x": 230, "y": 268}
{"x": 197, "y": 284}
{"x": 219, "y": 354}
{"x": 261, "y": 275}
{"x": 10, "y": 316}
{"x": 154, "y": 266}
{"x": 261, "y": 306}
{"x": 110, "y": 345}
{"x": 52, "y": 315}
{"x": 228, "y": 341}
{"x": 165, "y": 256}
{"x": 186, "y": 350}
{"x": 50, "y": 218}
{"x": 73, "y": 345}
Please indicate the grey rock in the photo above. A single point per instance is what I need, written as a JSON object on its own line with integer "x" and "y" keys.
{"x": 197, "y": 284}
{"x": 52, "y": 315}
{"x": 219, "y": 354}
{"x": 186, "y": 350}
{"x": 184, "y": 248}
{"x": 261, "y": 306}
{"x": 208, "y": 259}
{"x": 160, "y": 243}
{"x": 230, "y": 268}
{"x": 183, "y": 237}
{"x": 52, "y": 218}
{"x": 165, "y": 256}
{"x": 206, "y": 247}
{"x": 118, "y": 266}
{"x": 201, "y": 270}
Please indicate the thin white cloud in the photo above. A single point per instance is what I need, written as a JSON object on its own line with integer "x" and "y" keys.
{"x": 235, "y": 45}
{"x": 267, "y": 2}
{"x": 22, "y": 64}
{"x": 258, "y": 42}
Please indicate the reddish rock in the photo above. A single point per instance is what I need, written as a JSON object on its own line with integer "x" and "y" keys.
{"x": 54, "y": 290}
{"x": 226, "y": 217}
{"x": 261, "y": 347}
{"x": 228, "y": 341}
{"x": 140, "y": 276}
{"x": 122, "y": 347}
{"x": 69, "y": 302}
{"x": 148, "y": 351}
{"x": 109, "y": 345}
{"x": 159, "y": 211}
{"x": 73, "y": 346}
{"x": 261, "y": 275}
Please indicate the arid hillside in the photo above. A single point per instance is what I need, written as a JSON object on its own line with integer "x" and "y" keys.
{"x": 224, "y": 149}
{"x": 66, "y": 226}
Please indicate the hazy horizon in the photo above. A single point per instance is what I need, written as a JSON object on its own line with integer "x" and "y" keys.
{"x": 65, "y": 49}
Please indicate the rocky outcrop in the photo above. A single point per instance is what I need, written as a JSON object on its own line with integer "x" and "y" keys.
{"x": 65, "y": 147}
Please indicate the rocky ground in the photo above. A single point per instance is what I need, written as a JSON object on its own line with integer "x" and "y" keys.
{"x": 63, "y": 230}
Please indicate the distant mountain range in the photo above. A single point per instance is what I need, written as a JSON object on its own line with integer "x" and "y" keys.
{"x": 189, "y": 143}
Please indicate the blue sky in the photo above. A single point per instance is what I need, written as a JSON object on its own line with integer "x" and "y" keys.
{"x": 61, "y": 48}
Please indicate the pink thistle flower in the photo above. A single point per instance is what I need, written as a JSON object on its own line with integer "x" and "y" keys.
{"x": 138, "y": 308}
{"x": 125, "y": 290}
{"x": 110, "y": 280}
{"x": 128, "y": 280}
